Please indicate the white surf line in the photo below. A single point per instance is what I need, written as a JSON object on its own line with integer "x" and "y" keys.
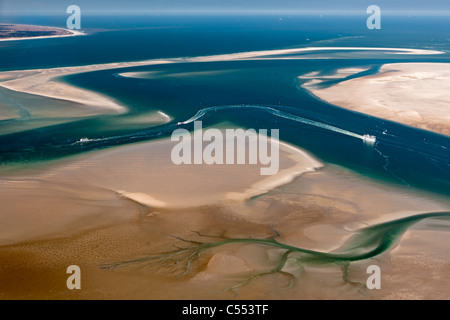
{"x": 263, "y": 53}
{"x": 166, "y": 116}
{"x": 42, "y": 82}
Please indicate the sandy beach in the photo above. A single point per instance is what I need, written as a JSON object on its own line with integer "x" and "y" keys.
{"x": 32, "y": 30}
{"x": 415, "y": 94}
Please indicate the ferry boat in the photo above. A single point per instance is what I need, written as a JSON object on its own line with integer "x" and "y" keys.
{"x": 368, "y": 139}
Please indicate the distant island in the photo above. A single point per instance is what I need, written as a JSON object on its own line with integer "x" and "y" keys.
{"x": 21, "y": 32}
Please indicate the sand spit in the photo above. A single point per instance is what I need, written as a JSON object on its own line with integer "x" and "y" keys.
{"x": 44, "y": 82}
{"x": 60, "y": 32}
{"x": 416, "y": 94}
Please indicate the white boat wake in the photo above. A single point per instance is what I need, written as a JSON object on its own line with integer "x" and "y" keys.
{"x": 367, "y": 139}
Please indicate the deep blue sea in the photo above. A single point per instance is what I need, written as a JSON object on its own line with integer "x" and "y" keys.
{"x": 406, "y": 156}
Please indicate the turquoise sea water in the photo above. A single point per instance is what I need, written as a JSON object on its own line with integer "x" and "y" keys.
{"x": 251, "y": 94}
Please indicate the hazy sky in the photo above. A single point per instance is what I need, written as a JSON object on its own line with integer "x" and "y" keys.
{"x": 256, "y": 6}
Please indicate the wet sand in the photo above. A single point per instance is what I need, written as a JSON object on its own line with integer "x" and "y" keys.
{"x": 317, "y": 210}
{"x": 99, "y": 187}
{"x": 36, "y": 269}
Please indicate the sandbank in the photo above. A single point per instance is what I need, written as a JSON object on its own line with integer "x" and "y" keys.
{"x": 415, "y": 94}
{"x": 100, "y": 186}
{"x": 315, "y": 211}
{"x": 44, "y": 82}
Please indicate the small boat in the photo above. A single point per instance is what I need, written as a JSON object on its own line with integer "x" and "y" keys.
{"x": 180, "y": 124}
{"x": 84, "y": 140}
{"x": 368, "y": 139}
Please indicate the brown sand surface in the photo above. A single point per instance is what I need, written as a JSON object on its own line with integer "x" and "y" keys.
{"x": 99, "y": 188}
{"x": 317, "y": 210}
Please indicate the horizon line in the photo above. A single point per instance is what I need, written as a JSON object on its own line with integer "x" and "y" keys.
{"x": 237, "y": 12}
